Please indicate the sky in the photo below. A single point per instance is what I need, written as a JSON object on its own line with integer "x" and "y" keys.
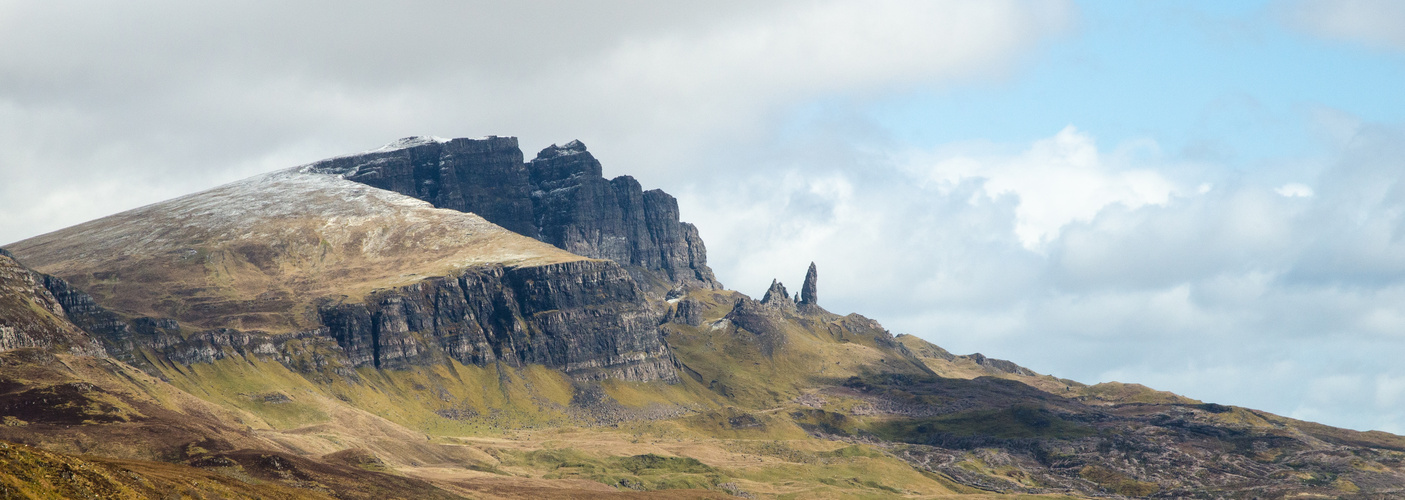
{"x": 1202, "y": 197}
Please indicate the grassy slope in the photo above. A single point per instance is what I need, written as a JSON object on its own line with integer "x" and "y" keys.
{"x": 962, "y": 367}
{"x": 817, "y": 350}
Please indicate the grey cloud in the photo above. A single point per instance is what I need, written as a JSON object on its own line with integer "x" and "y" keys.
{"x": 132, "y": 103}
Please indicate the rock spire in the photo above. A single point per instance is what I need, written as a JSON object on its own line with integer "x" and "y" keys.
{"x": 808, "y": 294}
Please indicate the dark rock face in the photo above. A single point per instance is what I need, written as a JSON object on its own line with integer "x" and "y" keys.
{"x": 559, "y": 197}
{"x": 133, "y": 341}
{"x": 587, "y": 318}
{"x": 591, "y": 319}
{"x": 117, "y": 337}
{"x": 483, "y": 176}
{"x": 687, "y": 311}
{"x": 809, "y": 295}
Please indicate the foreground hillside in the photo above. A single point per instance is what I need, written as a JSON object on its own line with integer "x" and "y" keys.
{"x": 308, "y": 334}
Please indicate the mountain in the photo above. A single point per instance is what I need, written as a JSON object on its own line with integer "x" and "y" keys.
{"x": 439, "y": 318}
{"x": 306, "y": 261}
{"x": 559, "y": 197}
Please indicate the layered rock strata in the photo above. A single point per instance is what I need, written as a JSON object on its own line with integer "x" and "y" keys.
{"x": 587, "y": 318}
{"x": 560, "y": 197}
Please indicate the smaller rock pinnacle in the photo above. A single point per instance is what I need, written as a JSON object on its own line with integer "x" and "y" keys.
{"x": 777, "y": 297}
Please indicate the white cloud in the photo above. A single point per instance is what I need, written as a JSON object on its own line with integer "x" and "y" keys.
{"x": 1058, "y": 180}
{"x": 1294, "y": 190}
{"x": 1089, "y": 264}
{"x": 1379, "y": 23}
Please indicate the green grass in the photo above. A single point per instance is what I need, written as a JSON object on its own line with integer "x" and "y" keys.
{"x": 856, "y": 477}
{"x": 442, "y": 399}
{"x": 825, "y": 421}
{"x": 240, "y": 383}
{"x": 639, "y": 472}
{"x": 736, "y": 423}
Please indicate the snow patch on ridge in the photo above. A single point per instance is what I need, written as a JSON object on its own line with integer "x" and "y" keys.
{"x": 410, "y": 142}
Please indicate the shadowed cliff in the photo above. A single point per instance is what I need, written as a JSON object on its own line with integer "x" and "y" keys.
{"x": 559, "y": 197}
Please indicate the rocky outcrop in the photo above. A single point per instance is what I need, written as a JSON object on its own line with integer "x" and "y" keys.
{"x": 807, "y": 301}
{"x": 579, "y": 211}
{"x": 587, "y": 318}
{"x": 777, "y": 297}
{"x": 130, "y": 341}
{"x": 686, "y": 311}
{"x": 809, "y": 293}
{"x": 999, "y": 365}
{"x": 116, "y": 335}
{"x": 766, "y": 324}
{"x": 32, "y": 317}
{"x": 559, "y": 197}
{"x": 305, "y": 255}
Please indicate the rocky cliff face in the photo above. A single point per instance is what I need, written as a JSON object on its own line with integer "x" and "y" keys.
{"x": 587, "y": 318}
{"x": 115, "y": 335}
{"x": 559, "y": 197}
{"x": 483, "y": 176}
{"x": 32, "y": 317}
